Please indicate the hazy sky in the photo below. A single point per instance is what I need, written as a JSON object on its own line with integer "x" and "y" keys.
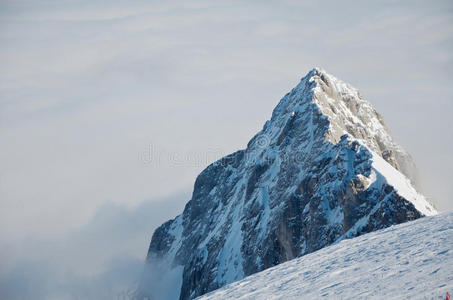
{"x": 113, "y": 103}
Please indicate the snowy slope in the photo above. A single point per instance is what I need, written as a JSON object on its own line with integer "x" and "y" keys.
{"x": 413, "y": 260}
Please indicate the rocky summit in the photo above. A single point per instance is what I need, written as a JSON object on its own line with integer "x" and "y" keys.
{"x": 323, "y": 168}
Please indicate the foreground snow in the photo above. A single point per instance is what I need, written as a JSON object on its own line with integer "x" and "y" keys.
{"x": 408, "y": 261}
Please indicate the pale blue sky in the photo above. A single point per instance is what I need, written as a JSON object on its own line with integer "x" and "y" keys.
{"x": 87, "y": 86}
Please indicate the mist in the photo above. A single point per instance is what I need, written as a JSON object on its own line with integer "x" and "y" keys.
{"x": 103, "y": 259}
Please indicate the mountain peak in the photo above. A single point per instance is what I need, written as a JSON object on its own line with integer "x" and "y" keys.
{"x": 322, "y": 169}
{"x": 316, "y": 71}
{"x": 348, "y": 113}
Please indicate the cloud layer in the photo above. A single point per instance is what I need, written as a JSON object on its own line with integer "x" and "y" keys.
{"x": 101, "y": 260}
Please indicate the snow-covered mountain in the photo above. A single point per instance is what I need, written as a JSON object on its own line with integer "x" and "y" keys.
{"x": 413, "y": 260}
{"x": 323, "y": 168}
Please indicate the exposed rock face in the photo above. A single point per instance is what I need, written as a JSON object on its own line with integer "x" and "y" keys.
{"x": 324, "y": 168}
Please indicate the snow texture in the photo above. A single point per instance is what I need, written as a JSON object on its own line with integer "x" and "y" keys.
{"x": 413, "y": 260}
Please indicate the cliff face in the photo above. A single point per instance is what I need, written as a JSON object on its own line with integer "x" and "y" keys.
{"x": 324, "y": 168}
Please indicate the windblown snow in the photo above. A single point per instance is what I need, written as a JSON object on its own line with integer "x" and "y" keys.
{"x": 413, "y": 260}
